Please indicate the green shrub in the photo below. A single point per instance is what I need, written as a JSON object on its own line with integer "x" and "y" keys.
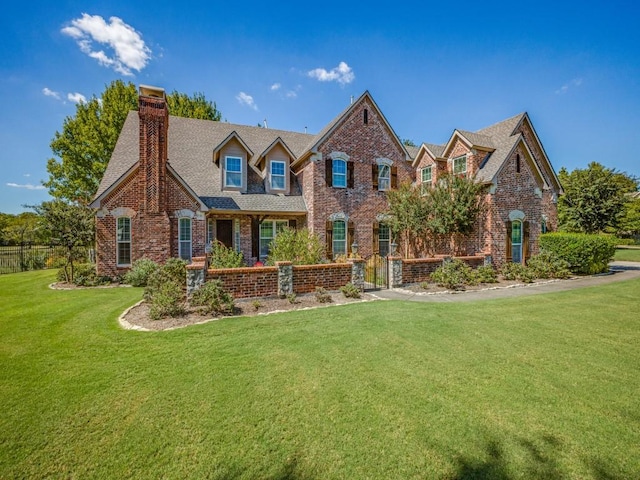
{"x": 176, "y": 268}
{"x": 517, "y": 271}
{"x": 84, "y": 275}
{"x": 301, "y": 247}
{"x": 350, "y": 291}
{"x": 167, "y": 300}
{"x": 548, "y": 265}
{"x": 213, "y": 299}
{"x": 140, "y": 272}
{"x": 34, "y": 260}
{"x": 485, "y": 274}
{"x": 322, "y": 296}
{"x": 173, "y": 271}
{"x": 222, "y": 256}
{"x": 585, "y": 254}
{"x": 454, "y": 275}
{"x": 292, "y": 298}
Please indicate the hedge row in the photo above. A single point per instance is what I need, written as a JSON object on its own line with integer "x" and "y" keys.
{"x": 586, "y": 254}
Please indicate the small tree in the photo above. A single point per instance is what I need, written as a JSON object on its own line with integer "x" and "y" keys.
{"x": 455, "y": 205}
{"x": 69, "y": 225}
{"x": 224, "y": 257}
{"x": 298, "y": 246}
{"x": 408, "y": 216}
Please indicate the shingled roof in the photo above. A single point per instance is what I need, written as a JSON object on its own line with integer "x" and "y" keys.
{"x": 498, "y": 139}
{"x": 191, "y": 144}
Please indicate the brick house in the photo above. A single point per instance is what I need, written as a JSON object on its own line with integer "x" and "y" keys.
{"x": 174, "y": 184}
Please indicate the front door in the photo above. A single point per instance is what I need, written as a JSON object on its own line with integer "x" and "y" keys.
{"x": 224, "y": 232}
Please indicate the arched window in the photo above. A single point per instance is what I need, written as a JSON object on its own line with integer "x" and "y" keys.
{"x": 184, "y": 238}
{"x": 123, "y": 239}
{"x": 339, "y": 173}
{"x": 516, "y": 241}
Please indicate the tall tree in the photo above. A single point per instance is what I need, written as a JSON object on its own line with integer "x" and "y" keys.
{"x": 87, "y": 140}
{"x": 196, "y": 106}
{"x": 593, "y": 199}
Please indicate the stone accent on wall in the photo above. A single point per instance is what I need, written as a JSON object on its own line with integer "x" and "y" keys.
{"x": 357, "y": 273}
{"x": 285, "y": 278}
{"x": 395, "y": 272}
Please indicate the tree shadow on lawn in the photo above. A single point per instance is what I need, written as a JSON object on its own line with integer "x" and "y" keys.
{"x": 541, "y": 463}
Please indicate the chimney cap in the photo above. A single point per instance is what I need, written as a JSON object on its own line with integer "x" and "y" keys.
{"x": 150, "y": 91}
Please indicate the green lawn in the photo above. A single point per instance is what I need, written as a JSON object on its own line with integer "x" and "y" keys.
{"x": 536, "y": 387}
{"x": 627, "y": 254}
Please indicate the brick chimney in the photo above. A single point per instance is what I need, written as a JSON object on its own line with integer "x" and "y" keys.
{"x": 154, "y": 122}
{"x": 152, "y": 226}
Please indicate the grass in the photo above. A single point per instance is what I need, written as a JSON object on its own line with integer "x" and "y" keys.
{"x": 535, "y": 387}
{"x": 627, "y": 254}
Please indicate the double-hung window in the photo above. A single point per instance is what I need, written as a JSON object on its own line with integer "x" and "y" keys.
{"x": 123, "y": 251}
{"x": 460, "y": 165}
{"x": 184, "y": 238}
{"x": 425, "y": 179}
{"x": 278, "y": 179}
{"x": 339, "y": 173}
{"x": 233, "y": 172}
{"x": 339, "y": 238}
{"x": 384, "y": 177}
{"x": 269, "y": 229}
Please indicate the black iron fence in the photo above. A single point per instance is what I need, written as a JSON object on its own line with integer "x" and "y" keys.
{"x": 20, "y": 258}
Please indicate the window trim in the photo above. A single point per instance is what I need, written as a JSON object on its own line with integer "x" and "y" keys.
{"x": 423, "y": 183}
{"x": 283, "y": 175}
{"x": 334, "y": 174}
{"x": 122, "y": 242}
{"x": 516, "y": 248}
{"x": 382, "y": 179}
{"x": 466, "y": 166}
{"x": 341, "y": 242}
{"x": 227, "y": 171}
{"x": 181, "y": 241}
{"x": 384, "y": 227}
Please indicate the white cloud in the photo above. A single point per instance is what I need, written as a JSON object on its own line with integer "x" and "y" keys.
{"x": 576, "y": 82}
{"x": 275, "y": 86}
{"x": 27, "y": 175}
{"x": 247, "y": 100}
{"x": 27, "y": 186}
{"x": 129, "y": 50}
{"x": 343, "y": 74}
{"x": 50, "y": 93}
{"x": 76, "y": 97}
{"x": 291, "y": 94}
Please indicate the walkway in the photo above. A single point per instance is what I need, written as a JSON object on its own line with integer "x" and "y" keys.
{"x": 619, "y": 271}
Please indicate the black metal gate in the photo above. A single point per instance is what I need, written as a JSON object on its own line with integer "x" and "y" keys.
{"x": 376, "y": 272}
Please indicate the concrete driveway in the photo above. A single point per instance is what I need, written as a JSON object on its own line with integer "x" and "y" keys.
{"x": 618, "y": 271}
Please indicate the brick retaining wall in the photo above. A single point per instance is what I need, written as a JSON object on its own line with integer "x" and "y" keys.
{"x": 331, "y": 276}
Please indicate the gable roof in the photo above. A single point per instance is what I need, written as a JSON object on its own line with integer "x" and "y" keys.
{"x": 191, "y": 146}
{"x": 499, "y": 140}
{"x": 331, "y": 126}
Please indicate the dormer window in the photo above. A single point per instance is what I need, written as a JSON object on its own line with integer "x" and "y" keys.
{"x": 425, "y": 178}
{"x": 277, "y": 175}
{"x": 339, "y": 173}
{"x": 233, "y": 172}
{"x": 460, "y": 166}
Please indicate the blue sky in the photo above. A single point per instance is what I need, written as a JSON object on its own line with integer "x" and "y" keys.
{"x": 431, "y": 67}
